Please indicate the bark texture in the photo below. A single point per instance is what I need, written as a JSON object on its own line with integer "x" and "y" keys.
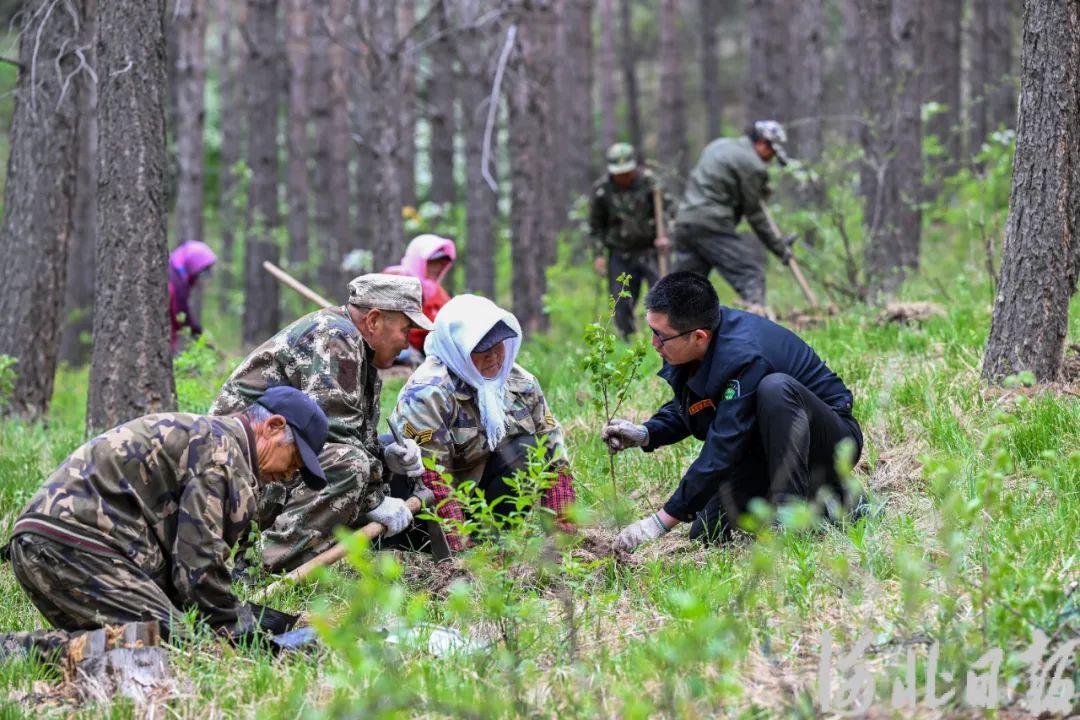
{"x": 231, "y": 14}
{"x": 575, "y": 115}
{"x": 39, "y": 197}
{"x": 441, "y": 98}
{"x": 1041, "y": 253}
{"x": 806, "y": 68}
{"x": 297, "y": 22}
{"x": 407, "y": 118}
{"x": 131, "y": 364}
{"x": 628, "y": 59}
{"x": 767, "y": 71}
{"x": 606, "y": 68}
{"x": 671, "y": 144}
{"x": 710, "y": 67}
{"x": 190, "y": 21}
{"x": 942, "y": 69}
{"x": 993, "y": 85}
{"x": 262, "y": 316}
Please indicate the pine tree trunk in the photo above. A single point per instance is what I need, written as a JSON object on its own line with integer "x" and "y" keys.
{"x": 262, "y": 316}
{"x": 532, "y": 150}
{"x": 190, "y": 21}
{"x": 807, "y": 52}
{"x": 1041, "y": 254}
{"x": 39, "y": 197}
{"x": 628, "y": 58}
{"x": 230, "y": 15}
{"x": 852, "y": 99}
{"x": 131, "y": 364}
{"x": 441, "y": 97}
{"x": 710, "y": 69}
{"x": 941, "y": 67}
{"x": 79, "y": 293}
{"x": 606, "y": 68}
{"x": 384, "y": 74}
{"x": 768, "y": 74}
{"x": 993, "y": 87}
{"x": 331, "y": 151}
{"x": 575, "y": 115}
{"x": 671, "y": 145}
{"x": 298, "y": 19}
{"x": 407, "y": 117}
{"x": 473, "y": 49}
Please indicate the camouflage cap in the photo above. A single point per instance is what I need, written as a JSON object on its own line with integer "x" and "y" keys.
{"x": 773, "y": 133}
{"x": 395, "y": 293}
{"x": 621, "y": 158}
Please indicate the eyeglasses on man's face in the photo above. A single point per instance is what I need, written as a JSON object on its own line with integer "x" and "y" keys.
{"x": 664, "y": 340}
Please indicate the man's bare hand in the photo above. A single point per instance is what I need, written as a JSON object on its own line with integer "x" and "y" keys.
{"x": 663, "y": 243}
{"x": 600, "y": 265}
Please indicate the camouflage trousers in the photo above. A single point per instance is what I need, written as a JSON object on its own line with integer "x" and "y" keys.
{"x": 305, "y": 523}
{"x": 739, "y": 260}
{"x": 639, "y": 266}
{"x": 78, "y": 590}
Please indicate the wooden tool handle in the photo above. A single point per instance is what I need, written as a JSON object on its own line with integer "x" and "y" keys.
{"x": 658, "y": 215}
{"x": 329, "y": 557}
{"x": 810, "y": 297}
{"x": 286, "y": 279}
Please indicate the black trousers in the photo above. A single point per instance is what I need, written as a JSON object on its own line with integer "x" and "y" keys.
{"x": 739, "y": 260}
{"x": 794, "y": 458}
{"x": 642, "y": 265}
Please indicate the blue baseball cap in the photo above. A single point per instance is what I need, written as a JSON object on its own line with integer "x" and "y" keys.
{"x": 309, "y": 426}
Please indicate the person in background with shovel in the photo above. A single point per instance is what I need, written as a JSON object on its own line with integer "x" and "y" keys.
{"x": 333, "y": 355}
{"x": 138, "y": 524}
{"x": 628, "y": 214}
{"x": 730, "y": 182}
{"x": 477, "y": 413}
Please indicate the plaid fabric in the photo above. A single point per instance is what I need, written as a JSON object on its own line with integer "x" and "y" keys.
{"x": 559, "y": 497}
{"x": 446, "y": 509}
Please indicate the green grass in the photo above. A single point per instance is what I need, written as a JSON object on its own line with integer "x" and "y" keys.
{"x": 972, "y": 543}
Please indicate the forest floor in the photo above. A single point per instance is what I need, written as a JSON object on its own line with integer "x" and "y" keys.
{"x": 970, "y": 547}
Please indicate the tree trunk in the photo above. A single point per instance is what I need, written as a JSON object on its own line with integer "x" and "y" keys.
{"x": 441, "y": 96}
{"x": 671, "y": 146}
{"x": 628, "y": 57}
{"x": 1041, "y": 254}
{"x": 331, "y": 148}
{"x": 39, "y": 198}
{"x": 606, "y": 65}
{"x": 407, "y": 117}
{"x": 807, "y": 52}
{"x": 131, "y": 364}
{"x": 532, "y": 149}
{"x": 230, "y": 15}
{"x": 993, "y": 86}
{"x": 941, "y": 66}
{"x": 298, "y": 20}
{"x": 262, "y": 316}
{"x": 472, "y": 47}
{"x": 190, "y": 21}
{"x": 710, "y": 69}
{"x": 891, "y": 177}
{"x": 384, "y": 74}
{"x": 575, "y": 116}
{"x": 767, "y": 62}
{"x": 853, "y": 109}
{"x": 79, "y": 293}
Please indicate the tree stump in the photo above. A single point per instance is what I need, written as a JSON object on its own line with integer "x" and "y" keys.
{"x": 119, "y": 659}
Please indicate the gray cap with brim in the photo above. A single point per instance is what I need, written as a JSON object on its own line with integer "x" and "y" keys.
{"x": 394, "y": 293}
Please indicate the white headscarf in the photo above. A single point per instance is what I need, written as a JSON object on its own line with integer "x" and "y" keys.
{"x": 459, "y": 326}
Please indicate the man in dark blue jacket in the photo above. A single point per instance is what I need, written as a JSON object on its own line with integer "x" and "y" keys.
{"x": 770, "y": 412}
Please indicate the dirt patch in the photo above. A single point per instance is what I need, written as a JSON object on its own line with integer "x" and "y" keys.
{"x": 1070, "y": 367}
{"x": 911, "y": 312}
{"x": 598, "y": 544}
{"x": 436, "y": 578}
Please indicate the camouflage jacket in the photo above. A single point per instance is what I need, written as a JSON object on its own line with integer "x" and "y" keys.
{"x": 623, "y": 219}
{"x": 323, "y": 355}
{"x": 729, "y": 182}
{"x": 171, "y": 493}
{"x": 439, "y": 411}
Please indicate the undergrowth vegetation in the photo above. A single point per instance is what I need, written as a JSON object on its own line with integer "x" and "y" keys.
{"x": 969, "y": 547}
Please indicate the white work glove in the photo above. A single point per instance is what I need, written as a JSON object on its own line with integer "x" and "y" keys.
{"x": 403, "y": 458}
{"x": 643, "y": 530}
{"x": 622, "y": 434}
{"x": 393, "y": 514}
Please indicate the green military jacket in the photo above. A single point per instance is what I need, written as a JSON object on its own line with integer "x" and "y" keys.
{"x": 623, "y": 220}
{"x": 439, "y": 411}
{"x": 729, "y": 182}
{"x": 323, "y": 355}
{"x": 171, "y": 493}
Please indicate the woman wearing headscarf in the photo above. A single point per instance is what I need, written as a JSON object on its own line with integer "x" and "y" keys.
{"x": 428, "y": 258}
{"x": 185, "y": 264}
{"x": 477, "y": 413}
